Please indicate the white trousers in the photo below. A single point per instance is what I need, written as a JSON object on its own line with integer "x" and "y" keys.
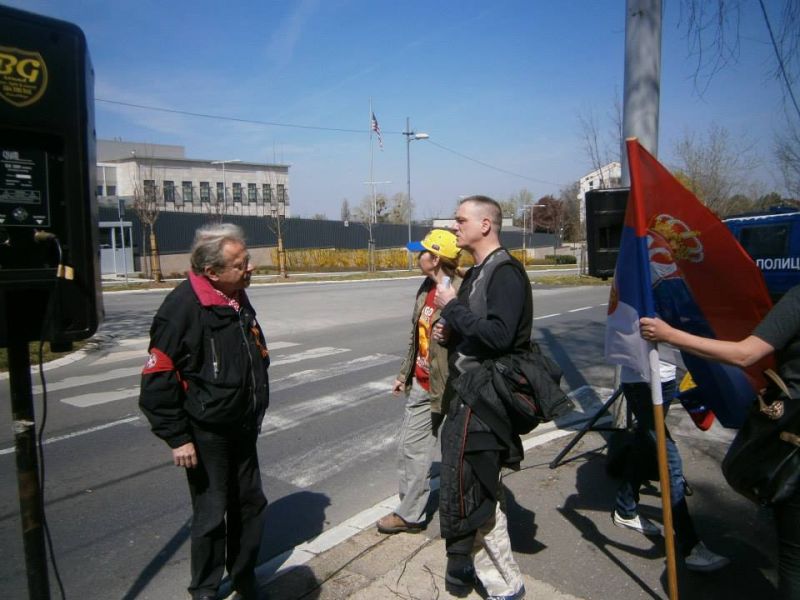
{"x": 494, "y": 562}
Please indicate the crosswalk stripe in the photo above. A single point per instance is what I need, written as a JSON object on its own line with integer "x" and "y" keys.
{"x": 121, "y": 356}
{"x": 327, "y": 459}
{"x": 308, "y": 354}
{"x": 334, "y": 370}
{"x": 95, "y": 398}
{"x": 298, "y": 413}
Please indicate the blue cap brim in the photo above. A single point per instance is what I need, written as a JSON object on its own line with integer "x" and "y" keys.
{"x": 415, "y": 247}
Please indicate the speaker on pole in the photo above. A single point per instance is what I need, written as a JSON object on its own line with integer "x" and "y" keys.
{"x": 605, "y": 216}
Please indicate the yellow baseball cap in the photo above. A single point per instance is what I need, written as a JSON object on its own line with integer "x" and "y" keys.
{"x": 439, "y": 241}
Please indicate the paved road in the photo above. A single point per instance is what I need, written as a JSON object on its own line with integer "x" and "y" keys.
{"x": 118, "y": 509}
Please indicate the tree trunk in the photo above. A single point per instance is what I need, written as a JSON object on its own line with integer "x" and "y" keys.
{"x": 155, "y": 261}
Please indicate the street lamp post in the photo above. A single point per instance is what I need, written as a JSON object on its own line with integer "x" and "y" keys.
{"x": 410, "y": 136}
{"x": 524, "y": 232}
{"x": 224, "y": 182}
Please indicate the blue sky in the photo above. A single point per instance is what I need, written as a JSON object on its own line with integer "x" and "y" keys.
{"x": 502, "y": 82}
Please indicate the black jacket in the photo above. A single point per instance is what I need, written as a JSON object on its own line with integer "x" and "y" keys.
{"x": 208, "y": 365}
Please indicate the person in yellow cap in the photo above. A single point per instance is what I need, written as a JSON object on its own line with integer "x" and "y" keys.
{"x": 422, "y": 380}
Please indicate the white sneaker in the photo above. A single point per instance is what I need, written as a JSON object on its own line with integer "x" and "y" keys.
{"x": 637, "y": 523}
{"x": 704, "y": 560}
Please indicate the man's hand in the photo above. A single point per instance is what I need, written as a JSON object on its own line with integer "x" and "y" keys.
{"x": 440, "y": 333}
{"x": 444, "y": 295}
{"x": 185, "y": 456}
{"x": 398, "y": 387}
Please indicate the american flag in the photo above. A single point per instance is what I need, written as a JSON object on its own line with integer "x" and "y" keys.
{"x": 377, "y": 129}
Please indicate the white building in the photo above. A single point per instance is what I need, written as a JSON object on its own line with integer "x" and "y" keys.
{"x": 181, "y": 184}
{"x": 607, "y": 176}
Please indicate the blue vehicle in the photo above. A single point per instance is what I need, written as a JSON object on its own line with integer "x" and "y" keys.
{"x": 772, "y": 239}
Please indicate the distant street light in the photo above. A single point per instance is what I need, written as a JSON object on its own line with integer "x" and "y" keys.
{"x": 524, "y": 231}
{"x": 224, "y": 183}
{"x": 410, "y": 136}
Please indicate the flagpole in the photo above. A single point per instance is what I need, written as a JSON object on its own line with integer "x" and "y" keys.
{"x": 663, "y": 471}
{"x": 373, "y": 217}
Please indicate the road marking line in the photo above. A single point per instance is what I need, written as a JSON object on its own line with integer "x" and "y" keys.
{"x": 574, "y": 310}
{"x": 96, "y": 398}
{"x": 547, "y": 316}
{"x": 298, "y": 413}
{"x": 78, "y": 433}
{"x": 121, "y": 356}
{"x": 334, "y": 370}
{"x": 308, "y": 354}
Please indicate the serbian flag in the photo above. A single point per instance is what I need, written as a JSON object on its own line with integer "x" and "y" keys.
{"x": 678, "y": 261}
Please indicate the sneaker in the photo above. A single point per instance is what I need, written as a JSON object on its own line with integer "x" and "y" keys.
{"x": 394, "y": 523}
{"x": 704, "y": 560}
{"x": 637, "y": 523}
{"x": 518, "y": 595}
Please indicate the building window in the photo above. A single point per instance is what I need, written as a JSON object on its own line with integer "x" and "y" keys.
{"x": 169, "y": 191}
{"x": 220, "y": 192}
{"x": 99, "y": 190}
{"x": 205, "y": 191}
{"x": 251, "y": 193}
{"x": 237, "y": 192}
{"x": 111, "y": 190}
{"x": 187, "y": 191}
{"x": 266, "y": 190}
{"x": 149, "y": 190}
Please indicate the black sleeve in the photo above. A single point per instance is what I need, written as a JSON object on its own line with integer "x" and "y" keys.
{"x": 161, "y": 396}
{"x": 782, "y": 323}
{"x": 504, "y": 306}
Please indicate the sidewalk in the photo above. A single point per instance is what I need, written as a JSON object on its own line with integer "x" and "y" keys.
{"x": 563, "y": 537}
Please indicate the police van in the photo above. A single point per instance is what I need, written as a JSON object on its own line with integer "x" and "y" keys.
{"x": 772, "y": 239}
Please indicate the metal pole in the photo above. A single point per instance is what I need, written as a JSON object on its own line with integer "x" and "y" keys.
{"x": 408, "y": 186}
{"x": 121, "y": 211}
{"x": 642, "y": 85}
{"x": 30, "y": 497}
{"x": 114, "y": 249}
{"x": 524, "y": 249}
{"x": 224, "y": 190}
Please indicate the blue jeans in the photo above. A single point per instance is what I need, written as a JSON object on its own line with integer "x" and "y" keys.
{"x": 627, "y": 504}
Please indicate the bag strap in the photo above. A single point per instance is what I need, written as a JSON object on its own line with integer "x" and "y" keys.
{"x": 776, "y": 379}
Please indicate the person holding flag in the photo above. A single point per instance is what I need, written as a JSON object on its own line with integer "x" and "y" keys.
{"x": 697, "y": 557}
{"x": 778, "y": 333}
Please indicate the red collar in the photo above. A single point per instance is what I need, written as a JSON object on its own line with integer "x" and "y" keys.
{"x": 208, "y": 294}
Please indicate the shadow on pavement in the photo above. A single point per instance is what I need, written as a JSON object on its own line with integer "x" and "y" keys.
{"x": 159, "y": 560}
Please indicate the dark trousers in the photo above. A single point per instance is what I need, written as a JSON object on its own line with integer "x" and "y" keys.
{"x": 638, "y": 397}
{"x": 787, "y": 523}
{"x": 228, "y": 505}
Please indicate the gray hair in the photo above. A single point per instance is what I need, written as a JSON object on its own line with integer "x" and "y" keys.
{"x": 208, "y": 243}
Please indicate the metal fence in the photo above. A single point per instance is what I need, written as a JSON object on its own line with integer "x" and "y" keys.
{"x": 175, "y": 232}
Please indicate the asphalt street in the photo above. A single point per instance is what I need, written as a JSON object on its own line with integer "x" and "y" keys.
{"x": 117, "y": 508}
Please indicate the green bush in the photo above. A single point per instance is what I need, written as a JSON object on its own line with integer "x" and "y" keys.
{"x": 562, "y": 259}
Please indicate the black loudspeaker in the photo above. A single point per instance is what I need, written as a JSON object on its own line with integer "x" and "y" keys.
{"x": 49, "y": 258}
{"x": 605, "y": 216}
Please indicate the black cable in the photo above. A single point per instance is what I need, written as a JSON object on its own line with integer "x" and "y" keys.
{"x": 50, "y": 316}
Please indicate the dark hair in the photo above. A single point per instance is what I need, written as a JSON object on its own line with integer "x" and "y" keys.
{"x": 491, "y": 209}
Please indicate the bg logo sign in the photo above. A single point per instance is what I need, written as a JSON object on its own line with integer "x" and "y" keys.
{"x": 23, "y": 76}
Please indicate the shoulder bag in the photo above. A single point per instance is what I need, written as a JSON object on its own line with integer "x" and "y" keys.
{"x": 763, "y": 461}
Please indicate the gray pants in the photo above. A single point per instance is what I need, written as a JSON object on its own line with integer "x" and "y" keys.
{"x": 415, "y": 452}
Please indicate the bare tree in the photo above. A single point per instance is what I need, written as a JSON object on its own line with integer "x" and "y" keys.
{"x": 602, "y": 148}
{"x": 345, "y": 211}
{"x": 712, "y": 29}
{"x": 571, "y": 222}
{"x": 714, "y": 168}
{"x": 397, "y": 209}
{"x": 787, "y": 152}
{"x": 148, "y": 200}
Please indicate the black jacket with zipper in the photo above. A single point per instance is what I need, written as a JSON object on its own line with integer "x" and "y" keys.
{"x": 207, "y": 367}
